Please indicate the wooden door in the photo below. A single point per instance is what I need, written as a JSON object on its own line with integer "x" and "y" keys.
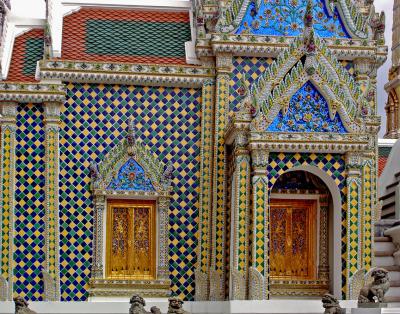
{"x": 293, "y": 239}
{"x": 131, "y": 240}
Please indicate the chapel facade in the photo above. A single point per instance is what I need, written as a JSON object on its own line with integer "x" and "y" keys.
{"x": 212, "y": 150}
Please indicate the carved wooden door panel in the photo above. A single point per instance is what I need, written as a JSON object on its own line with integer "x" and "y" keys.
{"x": 293, "y": 239}
{"x": 131, "y": 240}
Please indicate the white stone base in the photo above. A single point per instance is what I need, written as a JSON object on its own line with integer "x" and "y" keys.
{"x": 234, "y": 307}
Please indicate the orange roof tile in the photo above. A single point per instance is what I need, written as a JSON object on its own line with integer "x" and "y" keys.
{"x": 27, "y": 50}
{"x": 80, "y": 42}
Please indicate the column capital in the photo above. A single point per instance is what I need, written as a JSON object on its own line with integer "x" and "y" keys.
{"x": 8, "y": 110}
{"x": 354, "y": 163}
{"x": 52, "y": 111}
{"x": 364, "y": 68}
{"x": 259, "y": 160}
{"x": 224, "y": 63}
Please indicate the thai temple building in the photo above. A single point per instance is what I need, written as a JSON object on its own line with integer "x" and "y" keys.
{"x": 209, "y": 150}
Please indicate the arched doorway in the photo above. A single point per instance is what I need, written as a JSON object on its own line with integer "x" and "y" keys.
{"x": 301, "y": 236}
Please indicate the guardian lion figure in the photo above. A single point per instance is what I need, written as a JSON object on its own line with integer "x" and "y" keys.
{"x": 21, "y": 306}
{"x": 138, "y": 304}
{"x": 175, "y": 306}
{"x": 375, "y": 291}
{"x": 331, "y": 305}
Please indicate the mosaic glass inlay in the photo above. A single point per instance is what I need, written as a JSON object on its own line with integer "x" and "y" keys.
{"x": 285, "y": 18}
{"x": 308, "y": 112}
{"x": 131, "y": 177}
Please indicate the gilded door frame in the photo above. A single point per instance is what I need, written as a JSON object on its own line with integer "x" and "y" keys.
{"x": 129, "y": 203}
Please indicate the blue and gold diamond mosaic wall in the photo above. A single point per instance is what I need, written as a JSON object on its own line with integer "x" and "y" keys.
{"x": 29, "y": 241}
{"x": 246, "y": 69}
{"x": 94, "y": 120}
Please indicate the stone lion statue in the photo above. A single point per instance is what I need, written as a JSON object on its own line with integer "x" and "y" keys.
{"x": 331, "y": 305}
{"x": 21, "y": 306}
{"x": 138, "y": 304}
{"x": 375, "y": 291}
{"x": 175, "y": 306}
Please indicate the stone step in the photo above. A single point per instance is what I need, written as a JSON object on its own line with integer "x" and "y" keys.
{"x": 393, "y": 292}
{"x": 389, "y": 211}
{"x": 383, "y": 261}
{"x": 392, "y": 185}
{"x": 395, "y": 283}
{"x": 393, "y": 268}
{"x": 384, "y": 253}
{"x": 387, "y": 196}
{"x": 383, "y": 239}
{"x": 392, "y": 299}
{"x": 394, "y": 275}
{"x": 384, "y": 246}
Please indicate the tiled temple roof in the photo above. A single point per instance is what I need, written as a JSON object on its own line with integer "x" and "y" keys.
{"x": 28, "y": 49}
{"x": 117, "y": 35}
{"x": 383, "y": 157}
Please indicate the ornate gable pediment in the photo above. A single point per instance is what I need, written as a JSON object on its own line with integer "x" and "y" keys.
{"x": 341, "y": 18}
{"x": 306, "y": 60}
{"x": 130, "y": 168}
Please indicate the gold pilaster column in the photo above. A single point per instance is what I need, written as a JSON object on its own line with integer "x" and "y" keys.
{"x": 354, "y": 216}
{"x": 51, "y": 273}
{"x": 259, "y": 270}
{"x": 206, "y": 153}
{"x": 240, "y": 219}
{"x": 7, "y": 197}
{"x": 217, "y": 269}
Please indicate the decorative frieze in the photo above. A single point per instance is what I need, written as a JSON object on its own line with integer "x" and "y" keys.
{"x": 124, "y": 73}
{"x": 272, "y": 46}
{"x": 311, "y": 142}
{"x": 32, "y": 93}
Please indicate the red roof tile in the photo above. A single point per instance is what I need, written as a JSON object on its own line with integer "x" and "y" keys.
{"x": 75, "y": 33}
{"x": 24, "y": 57}
{"x": 381, "y": 164}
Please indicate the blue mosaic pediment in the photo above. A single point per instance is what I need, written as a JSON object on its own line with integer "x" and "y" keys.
{"x": 285, "y": 18}
{"x": 131, "y": 177}
{"x": 308, "y": 111}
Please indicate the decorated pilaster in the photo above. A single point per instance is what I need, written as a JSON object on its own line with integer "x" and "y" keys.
{"x": 202, "y": 270}
{"x": 51, "y": 272}
{"x": 240, "y": 220}
{"x": 354, "y": 215}
{"x": 7, "y": 196}
{"x": 217, "y": 269}
{"x": 323, "y": 265}
{"x": 97, "y": 270}
{"x": 259, "y": 270}
{"x": 368, "y": 213}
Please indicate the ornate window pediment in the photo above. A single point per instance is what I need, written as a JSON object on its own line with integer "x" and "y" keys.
{"x": 131, "y": 192}
{"x": 130, "y": 168}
